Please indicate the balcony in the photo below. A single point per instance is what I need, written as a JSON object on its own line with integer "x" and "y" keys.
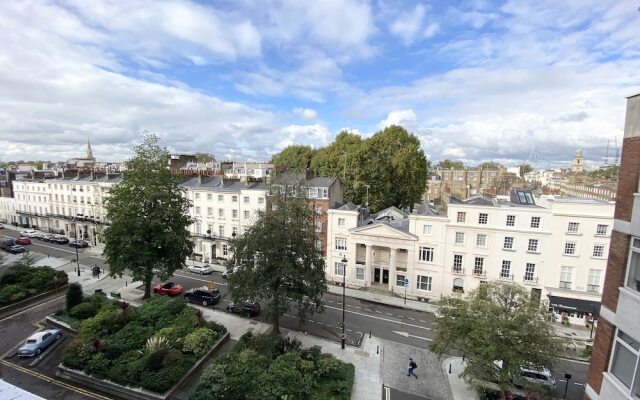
{"x": 564, "y": 285}
{"x": 593, "y": 289}
{"x": 480, "y": 273}
{"x": 530, "y": 280}
{"x": 506, "y": 277}
{"x": 457, "y": 270}
{"x": 204, "y": 236}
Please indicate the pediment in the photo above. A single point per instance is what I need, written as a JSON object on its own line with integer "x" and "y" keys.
{"x": 383, "y": 231}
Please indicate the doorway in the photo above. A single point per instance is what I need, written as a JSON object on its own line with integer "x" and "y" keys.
{"x": 376, "y": 275}
{"x": 385, "y": 276}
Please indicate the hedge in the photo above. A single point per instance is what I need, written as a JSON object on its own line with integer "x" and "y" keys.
{"x": 21, "y": 281}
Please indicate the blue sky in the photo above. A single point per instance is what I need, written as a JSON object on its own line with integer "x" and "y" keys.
{"x": 475, "y": 80}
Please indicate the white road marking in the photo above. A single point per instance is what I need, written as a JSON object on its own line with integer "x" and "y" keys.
{"x": 381, "y": 318}
{"x": 405, "y": 334}
{"x": 388, "y": 313}
{"x": 412, "y": 319}
{"x": 200, "y": 279}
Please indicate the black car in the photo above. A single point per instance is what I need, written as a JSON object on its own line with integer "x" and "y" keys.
{"x": 203, "y": 295}
{"x": 79, "y": 243}
{"x": 16, "y": 249}
{"x": 59, "y": 239}
{"x": 248, "y": 308}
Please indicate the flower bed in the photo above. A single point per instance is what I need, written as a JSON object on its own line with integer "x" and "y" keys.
{"x": 151, "y": 347}
{"x": 267, "y": 366}
{"x": 21, "y": 281}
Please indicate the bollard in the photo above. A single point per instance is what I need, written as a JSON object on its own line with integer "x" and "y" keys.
{"x": 377, "y": 349}
{"x": 369, "y": 333}
{"x": 126, "y": 283}
{"x": 449, "y": 368}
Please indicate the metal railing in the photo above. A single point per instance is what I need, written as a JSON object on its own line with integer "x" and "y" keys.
{"x": 479, "y": 273}
{"x": 530, "y": 280}
{"x": 508, "y": 277}
{"x": 457, "y": 270}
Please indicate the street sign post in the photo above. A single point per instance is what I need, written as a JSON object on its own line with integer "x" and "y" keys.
{"x": 406, "y": 285}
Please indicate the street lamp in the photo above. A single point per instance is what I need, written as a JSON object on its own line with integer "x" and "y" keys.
{"x": 344, "y": 282}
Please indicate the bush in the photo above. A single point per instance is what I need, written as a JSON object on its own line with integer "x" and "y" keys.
{"x": 98, "y": 365}
{"x": 83, "y": 310}
{"x": 11, "y": 294}
{"x": 74, "y": 295}
{"x": 103, "y": 323}
{"x": 16, "y": 273}
{"x": 77, "y": 354}
{"x": 156, "y": 360}
{"x": 160, "y": 312}
{"x": 133, "y": 335}
{"x": 199, "y": 341}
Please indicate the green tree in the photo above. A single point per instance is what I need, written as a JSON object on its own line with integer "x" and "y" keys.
{"x": 497, "y": 321}
{"x": 276, "y": 261}
{"x": 525, "y": 169}
{"x": 294, "y": 158}
{"x": 449, "y": 164}
{"x": 490, "y": 165}
{"x": 204, "y": 157}
{"x": 610, "y": 172}
{"x": 74, "y": 295}
{"x": 149, "y": 218}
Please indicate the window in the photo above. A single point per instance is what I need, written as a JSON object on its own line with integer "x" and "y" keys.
{"x": 341, "y": 244}
{"x": 569, "y": 248}
{"x": 234, "y": 214}
{"x": 318, "y": 226}
{"x": 197, "y": 196}
{"x": 247, "y": 214}
{"x": 197, "y": 210}
{"x": 260, "y": 200}
{"x": 478, "y": 266}
{"x": 318, "y": 210}
{"x": 602, "y": 230}
{"x": 220, "y": 197}
{"x": 341, "y": 221}
{"x": 225, "y": 249}
{"x": 598, "y": 250}
{"x": 221, "y": 230}
{"x": 209, "y": 197}
{"x": 234, "y": 199}
{"x": 209, "y": 211}
{"x": 339, "y": 269}
{"x": 246, "y": 199}
{"x": 458, "y": 285}
{"x": 529, "y": 273}
{"x": 625, "y": 363}
{"x": 508, "y": 243}
{"x": 462, "y": 216}
{"x": 593, "y": 283}
{"x": 318, "y": 244}
{"x": 535, "y": 222}
{"x": 481, "y": 240}
{"x": 483, "y": 218}
{"x": 511, "y": 220}
{"x": 459, "y": 237}
{"x": 532, "y": 247}
{"x": 234, "y": 230}
{"x": 457, "y": 263}
{"x": 505, "y": 270}
{"x": 425, "y": 254}
{"x": 566, "y": 277}
{"x": 360, "y": 273}
{"x": 427, "y": 229}
{"x": 221, "y": 212}
{"x": 573, "y": 227}
{"x": 633, "y": 281}
{"x": 400, "y": 280}
{"x": 424, "y": 283}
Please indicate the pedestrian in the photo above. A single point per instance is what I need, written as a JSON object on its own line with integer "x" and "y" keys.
{"x": 412, "y": 366}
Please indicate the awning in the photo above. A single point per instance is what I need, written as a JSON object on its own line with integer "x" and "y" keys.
{"x": 567, "y": 303}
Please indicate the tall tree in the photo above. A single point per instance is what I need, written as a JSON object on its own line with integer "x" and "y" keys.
{"x": 490, "y": 165}
{"x": 525, "y": 169}
{"x": 149, "y": 218}
{"x": 203, "y": 158}
{"x": 497, "y": 321}
{"x": 276, "y": 261}
{"x": 449, "y": 164}
{"x": 294, "y": 158}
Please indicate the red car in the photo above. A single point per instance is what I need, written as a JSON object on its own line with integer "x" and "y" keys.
{"x": 22, "y": 240}
{"x": 170, "y": 288}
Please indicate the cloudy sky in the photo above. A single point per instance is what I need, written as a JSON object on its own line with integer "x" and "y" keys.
{"x": 242, "y": 79}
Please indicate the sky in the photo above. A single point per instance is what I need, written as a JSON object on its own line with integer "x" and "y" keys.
{"x": 512, "y": 81}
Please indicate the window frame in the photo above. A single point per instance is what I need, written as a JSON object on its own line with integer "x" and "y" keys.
{"x": 483, "y": 218}
{"x": 461, "y": 217}
{"x": 461, "y": 235}
{"x": 535, "y": 222}
{"x": 533, "y": 249}
{"x": 428, "y": 282}
{"x": 338, "y": 242}
{"x": 426, "y": 254}
{"x": 339, "y": 267}
{"x": 510, "y": 220}
{"x": 569, "y": 244}
{"x": 511, "y": 241}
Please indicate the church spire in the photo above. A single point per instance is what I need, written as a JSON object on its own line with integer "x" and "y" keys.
{"x": 89, "y": 152}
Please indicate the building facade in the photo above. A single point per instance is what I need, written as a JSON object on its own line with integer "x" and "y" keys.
{"x": 558, "y": 251}
{"x": 614, "y": 372}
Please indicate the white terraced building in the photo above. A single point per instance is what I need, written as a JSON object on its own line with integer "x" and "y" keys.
{"x": 558, "y": 250}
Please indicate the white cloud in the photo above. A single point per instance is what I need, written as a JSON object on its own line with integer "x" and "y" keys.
{"x": 315, "y": 135}
{"x": 454, "y": 152}
{"x": 410, "y": 26}
{"x": 406, "y": 118}
{"x": 306, "y": 113}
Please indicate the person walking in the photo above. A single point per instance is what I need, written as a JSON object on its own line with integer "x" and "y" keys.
{"x": 412, "y": 366}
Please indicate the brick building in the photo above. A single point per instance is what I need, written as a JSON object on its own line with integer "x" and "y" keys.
{"x": 614, "y": 372}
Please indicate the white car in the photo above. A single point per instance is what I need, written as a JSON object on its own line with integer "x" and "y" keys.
{"x": 29, "y": 233}
{"x": 531, "y": 376}
{"x": 200, "y": 269}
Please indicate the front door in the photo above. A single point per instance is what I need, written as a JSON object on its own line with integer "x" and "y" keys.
{"x": 385, "y": 276}
{"x": 213, "y": 252}
{"x": 376, "y": 275}
{"x": 535, "y": 296}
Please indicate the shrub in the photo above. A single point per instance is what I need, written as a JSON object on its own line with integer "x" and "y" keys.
{"x": 160, "y": 312}
{"x": 98, "y": 365}
{"x": 155, "y": 360}
{"x": 162, "y": 380}
{"x": 11, "y": 294}
{"x": 199, "y": 341}
{"x": 16, "y": 273}
{"x": 83, "y": 310}
{"x": 132, "y": 335}
{"x": 156, "y": 342}
{"x": 103, "y": 323}
{"x": 329, "y": 368}
{"x": 173, "y": 355}
{"x": 74, "y": 295}
{"x": 77, "y": 354}
{"x": 114, "y": 350}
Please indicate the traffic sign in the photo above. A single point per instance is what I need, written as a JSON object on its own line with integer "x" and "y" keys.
{"x": 406, "y": 282}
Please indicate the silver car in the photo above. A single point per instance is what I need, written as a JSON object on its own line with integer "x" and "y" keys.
{"x": 38, "y": 342}
{"x": 200, "y": 269}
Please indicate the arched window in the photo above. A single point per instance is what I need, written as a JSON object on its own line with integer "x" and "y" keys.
{"x": 458, "y": 285}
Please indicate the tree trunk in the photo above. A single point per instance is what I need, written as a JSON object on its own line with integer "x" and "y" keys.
{"x": 147, "y": 289}
{"x": 276, "y": 325}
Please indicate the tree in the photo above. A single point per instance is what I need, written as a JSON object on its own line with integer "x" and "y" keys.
{"x": 294, "y": 158}
{"x": 276, "y": 261}
{"x": 149, "y": 218}
{"x": 204, "y": 158}
{"x": 74, "y": 295}
{"x": 525, "y": 169}
{"x": 490, "y": 165}
{"x": 610, "y": 172}
{"x": 449, "y": 164}
{"x": 497, "y": 321}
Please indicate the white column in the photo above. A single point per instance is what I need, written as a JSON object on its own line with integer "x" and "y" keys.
{"x": 392, "y": 268}
{"x": 367, "y": 266}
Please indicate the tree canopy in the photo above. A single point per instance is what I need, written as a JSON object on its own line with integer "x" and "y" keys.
{"x": 450, "y": 164}
{"x": 610, "y": 172}
{"x": 525, "y": 169}
{"x": 490, "y": 165}
{"x": 497, "y": 321}
{"x": 294, "y": 158}
{"x": 276, "y": 261}
{"x": 387, "y": 169}
{"x": 204, "y": 158}
{"x": 149, "y": 218}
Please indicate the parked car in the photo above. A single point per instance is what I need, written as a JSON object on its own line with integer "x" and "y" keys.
{"x": 170, "y": 288}
{"x": 29, "y": 233}
{"x": 200, "y": 269}
{"x": 248, "y": 308}
{"x": 8, "y": 243}
{"x": 23, "y": 240}
{"x": 47, "y": 237}
{"x": 16, "y": 249}
{"x": 38, "y": 342}
{"x": 79, "y": 243}
{"x": 1, "y": 226}
{"x": 59, "y": 239}
{"x": 203, "y": 295}
{"x": 531, "y": 376}
{"x": 39, "y": 235}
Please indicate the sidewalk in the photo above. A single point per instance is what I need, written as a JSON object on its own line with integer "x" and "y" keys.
{"x": 460, "y": 389}
{"x": 383, "y": 299}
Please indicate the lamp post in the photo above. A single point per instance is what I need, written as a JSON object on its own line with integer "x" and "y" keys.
{"x": 344, "y": 281}
{"x": 75, "y": 235}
